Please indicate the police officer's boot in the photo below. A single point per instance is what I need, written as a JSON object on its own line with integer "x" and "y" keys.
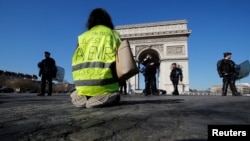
{"x": 234, "y": 89}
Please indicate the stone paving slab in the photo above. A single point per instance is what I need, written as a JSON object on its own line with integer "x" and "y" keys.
{"x": 27, "y": 117}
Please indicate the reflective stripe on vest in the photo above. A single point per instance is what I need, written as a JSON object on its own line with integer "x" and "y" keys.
{"x": 91, "y": 65}
{"x": 92, "y": 61}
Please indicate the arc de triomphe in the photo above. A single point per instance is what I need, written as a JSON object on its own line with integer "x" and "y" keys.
{"x": 167, "y": 42}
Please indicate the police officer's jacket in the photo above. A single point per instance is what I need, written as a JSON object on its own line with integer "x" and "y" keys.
{"x": 150, "y": 69}
{"x": 176, "y": 75}
{"x": 226, "y": 67}
{"x": 93, "y": 61}
{"x": 47, "y": 67}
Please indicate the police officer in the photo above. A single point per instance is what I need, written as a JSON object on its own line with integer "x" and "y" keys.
{"x": 47, "y": 71}
{"x": 227, "y": 70}
{"x": 175, "y": 77}
{"x": 150, "y": 71}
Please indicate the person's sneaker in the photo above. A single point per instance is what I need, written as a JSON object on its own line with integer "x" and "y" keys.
{"x": 49, "y": 94}
{"x": 103, "y": 100}
{"x": 40, "y": 94}
{"x": 77, "y": 100}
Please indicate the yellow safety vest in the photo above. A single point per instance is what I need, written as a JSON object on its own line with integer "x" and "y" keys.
{"x": 92, "y": 60}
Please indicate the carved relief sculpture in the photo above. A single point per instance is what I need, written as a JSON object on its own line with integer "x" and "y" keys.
{"x": 175, "y": 50}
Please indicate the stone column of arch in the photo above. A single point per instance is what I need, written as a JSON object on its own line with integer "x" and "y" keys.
{"x": 167, "y": 41}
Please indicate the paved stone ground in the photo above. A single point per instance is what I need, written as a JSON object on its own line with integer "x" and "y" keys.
{"x": 27, "y": 117}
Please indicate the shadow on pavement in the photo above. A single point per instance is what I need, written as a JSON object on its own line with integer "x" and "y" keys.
{"x": 168, "y": 101}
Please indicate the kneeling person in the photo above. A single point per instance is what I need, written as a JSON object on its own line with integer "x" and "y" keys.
{"x": 93, "y": 63}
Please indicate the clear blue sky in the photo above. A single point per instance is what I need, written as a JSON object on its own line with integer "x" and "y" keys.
{"x": 30, "y": 27}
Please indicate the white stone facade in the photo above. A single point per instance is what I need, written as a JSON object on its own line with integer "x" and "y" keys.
{"x": 167, "y": 41}
{"x": 243, "y": 88}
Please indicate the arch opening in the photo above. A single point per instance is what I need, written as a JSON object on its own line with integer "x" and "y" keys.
{"x": 141, "y": 57}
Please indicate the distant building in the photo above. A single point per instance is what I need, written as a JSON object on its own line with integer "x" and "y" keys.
{"x": 243, "y": 88}
{"x": 16, "y": 75}
{"x": 22, "y": 82}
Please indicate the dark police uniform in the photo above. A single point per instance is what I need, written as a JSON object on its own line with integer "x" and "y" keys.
{"x": 48, "y": 72}
{"x": 149, "y": 74}
{"x": 227, "y": 70}
{"x": 175, "y": 76}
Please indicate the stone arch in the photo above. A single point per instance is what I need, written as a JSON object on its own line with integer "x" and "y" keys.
{"x": 166, "y": 41}
{"x": 142, "y": 54}
{"x": 140, "y": 57}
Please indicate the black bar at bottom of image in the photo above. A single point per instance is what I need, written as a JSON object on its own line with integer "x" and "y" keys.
{"x": 233, "y": 132}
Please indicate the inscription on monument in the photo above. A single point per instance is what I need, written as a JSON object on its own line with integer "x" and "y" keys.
{"x": 141, "y": 30}
{"x": 157, "y": 40}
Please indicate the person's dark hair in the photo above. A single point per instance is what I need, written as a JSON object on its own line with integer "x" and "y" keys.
{"x": 99, "y": 16}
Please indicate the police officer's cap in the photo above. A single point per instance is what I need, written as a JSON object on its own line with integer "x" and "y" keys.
{"x": 227, "y": 53}
{"x": 46, "y": 52}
